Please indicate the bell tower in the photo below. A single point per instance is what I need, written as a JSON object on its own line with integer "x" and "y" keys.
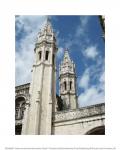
{"x": 38, "y": 117}
{"x": 68, "y": 82}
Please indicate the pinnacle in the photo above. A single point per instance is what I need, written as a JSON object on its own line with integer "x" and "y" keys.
{"x": 48, "y": 19}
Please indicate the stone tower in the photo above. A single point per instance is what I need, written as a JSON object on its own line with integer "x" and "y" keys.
{"x": 38, "y": 114}
{"x": 68, "y": 82}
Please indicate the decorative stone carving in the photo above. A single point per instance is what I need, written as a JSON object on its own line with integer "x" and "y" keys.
{"x": 98, "y": 109}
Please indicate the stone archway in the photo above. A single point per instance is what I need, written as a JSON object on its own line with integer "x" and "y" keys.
{"x": 19, "y": 113}
{"x": 18, "y": 129}
{"x": 97, "y": 131}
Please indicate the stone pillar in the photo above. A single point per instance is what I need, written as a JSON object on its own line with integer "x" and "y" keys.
{"x": 25, "y": 118}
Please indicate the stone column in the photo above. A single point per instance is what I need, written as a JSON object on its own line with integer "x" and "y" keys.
{"x": 25, "y": 118}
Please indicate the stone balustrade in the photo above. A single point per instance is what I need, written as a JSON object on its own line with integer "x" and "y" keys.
{"x": 84, "y": 112}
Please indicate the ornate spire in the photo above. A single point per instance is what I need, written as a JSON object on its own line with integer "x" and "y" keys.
{"x": 66, "y": 56}
{"x": 67, "y": 65}
{"x": 67, "y": 82}
{"x": 48, "y": 19}
{"x": 46, "y": 31}
{"x": 48, "y": 25}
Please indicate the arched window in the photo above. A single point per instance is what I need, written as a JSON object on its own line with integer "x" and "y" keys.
{"x": 40, "y": 55}
{"x": 18, "y": 129}
{"x": 65, "y": 86}
{"x": 100, "y": 130}
{"x": 22, "y": 109}
{"x": 46, "y": 55}
{"x": 70, "y": 85}
{"x": 19, "y": 108}
{"x": 53, "y": 59}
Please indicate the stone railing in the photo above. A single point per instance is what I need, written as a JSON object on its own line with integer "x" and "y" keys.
{"x": 22, "y": 89}
{"x": 84, "y": 112}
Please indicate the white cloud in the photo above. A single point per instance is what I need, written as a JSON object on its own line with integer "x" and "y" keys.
{"x": 91, "y": 52}
{"x": 60, "y": 53}
{"x": 30, "y": 23}
{"x": 102, "y": 77}
{"x": 84, "y": 20}
{"x": 84, "y": 81}
{"x": 92, "y": 94}
{"x": 79, "y": 31}
{"x": 82, "y": 27}
{"x": 90, "y": 97}
{"x": 25, "y": 46}
{"x": 69, "y": 43}
{"x": 102, "y": 81}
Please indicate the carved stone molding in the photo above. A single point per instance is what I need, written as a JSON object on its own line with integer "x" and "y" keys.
{"x": 94, "y": 110}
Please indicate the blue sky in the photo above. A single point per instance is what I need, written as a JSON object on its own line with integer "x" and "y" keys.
{"x": 82, "y": 36}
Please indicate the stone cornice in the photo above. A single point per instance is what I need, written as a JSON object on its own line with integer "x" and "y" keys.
{"x": 43, "y": 63}
{"x": 94, "y": 110}
{"x": 68, "y": 92}
{"x": 27, "y": 85}
{"x": 67, "y": 74}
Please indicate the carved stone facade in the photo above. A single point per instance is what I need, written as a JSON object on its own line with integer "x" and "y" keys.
{"x": 67, "y": 81}
{"x": 86, "y": 120}
{"x": 84, "y": 112}
{"x": 38, "y": 110}
{"x": 21, "y": 101}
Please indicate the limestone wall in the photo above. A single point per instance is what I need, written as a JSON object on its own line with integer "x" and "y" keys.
{"x": 79, "y": 121}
